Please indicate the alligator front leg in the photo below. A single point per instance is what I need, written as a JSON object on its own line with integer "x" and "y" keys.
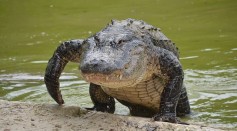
{"x": 170, "y": 67}
{"x": 102, "y": 101}
{"x": 67, "y": 51}
{"x": 169, "y": 100}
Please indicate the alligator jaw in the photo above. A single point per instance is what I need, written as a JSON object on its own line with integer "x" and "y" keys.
{"x": 97, "y": 77}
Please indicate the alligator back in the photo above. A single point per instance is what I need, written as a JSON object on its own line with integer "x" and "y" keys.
{"x": 156, "y": 36}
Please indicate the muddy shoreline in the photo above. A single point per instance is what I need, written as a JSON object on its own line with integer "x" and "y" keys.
{"x": 31, "y": 116}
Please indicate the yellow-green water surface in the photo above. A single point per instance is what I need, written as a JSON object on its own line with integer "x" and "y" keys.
{"x": 204, "y": 30}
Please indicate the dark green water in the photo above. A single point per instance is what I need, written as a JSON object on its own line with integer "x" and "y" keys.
{"x": 204, "y": 30}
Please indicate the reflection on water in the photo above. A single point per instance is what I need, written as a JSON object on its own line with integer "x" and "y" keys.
{"x": 212, "y": 93}
{"x": 213, "y": 96}
{"x": 188, "y": 57}
{"x": 39, "y": 62}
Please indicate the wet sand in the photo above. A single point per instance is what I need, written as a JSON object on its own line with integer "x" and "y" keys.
{"x": 51, "y": 117}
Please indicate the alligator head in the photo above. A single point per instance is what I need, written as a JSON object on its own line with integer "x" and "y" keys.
{"x": 115, "y": 57}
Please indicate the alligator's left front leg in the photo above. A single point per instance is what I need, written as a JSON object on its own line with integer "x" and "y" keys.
{"x": 170, "y": 67}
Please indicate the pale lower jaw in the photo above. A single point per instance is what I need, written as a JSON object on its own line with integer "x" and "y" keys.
{"x": 117, "y": 81}
{"x": 102, "y": 78}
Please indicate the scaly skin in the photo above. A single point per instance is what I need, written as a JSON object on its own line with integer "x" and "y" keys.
{"x": 130, "y": 61}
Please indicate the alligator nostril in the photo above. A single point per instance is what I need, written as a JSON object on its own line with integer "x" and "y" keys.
{"x": 126, "y": 66}
{"x": 95, "y": 65}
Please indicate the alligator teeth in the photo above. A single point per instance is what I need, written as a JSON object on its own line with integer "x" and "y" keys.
{"x": 120, "y": 77}
{"x": 87, "y": 78}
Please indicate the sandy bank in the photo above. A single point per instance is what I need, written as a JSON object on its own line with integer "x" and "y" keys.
{"x": 29, "y": 116}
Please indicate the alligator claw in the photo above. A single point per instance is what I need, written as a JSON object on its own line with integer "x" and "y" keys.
{"x": 166, "y": 118}
{"x": 90, "y": 109}
{"x": 102, "y": 108}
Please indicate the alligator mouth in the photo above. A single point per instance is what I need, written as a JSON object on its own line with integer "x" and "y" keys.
{"x": 110, "y": 81}
{"x": 102, "y": 78}
{"x": 114, "y": 80}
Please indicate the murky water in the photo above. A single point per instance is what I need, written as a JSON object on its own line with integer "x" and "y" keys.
{"x": 203, "y": 30}
{"x": 212, "y": 93}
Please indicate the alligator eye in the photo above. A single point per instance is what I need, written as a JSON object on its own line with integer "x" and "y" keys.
{"x": 96, "y": 37}
{"x": 97, "y": 40}
{"x": 120, "y": 41}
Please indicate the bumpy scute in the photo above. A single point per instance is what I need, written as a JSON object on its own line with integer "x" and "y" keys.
{"x": 155, "y": 34}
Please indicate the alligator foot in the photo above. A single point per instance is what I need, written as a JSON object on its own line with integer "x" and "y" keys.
{"x": 168, "y": 118}
{"x": 102, "y": 101}
{"x": 103, "y": 108}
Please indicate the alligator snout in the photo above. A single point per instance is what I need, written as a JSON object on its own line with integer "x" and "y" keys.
{"x": 96, "y": 66}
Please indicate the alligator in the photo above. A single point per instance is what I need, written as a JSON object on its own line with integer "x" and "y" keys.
{"x": 130, "y": 61}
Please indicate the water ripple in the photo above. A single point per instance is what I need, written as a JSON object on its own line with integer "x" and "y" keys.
{"x": 188, "y": 57}
{"x": 212, "y": 93}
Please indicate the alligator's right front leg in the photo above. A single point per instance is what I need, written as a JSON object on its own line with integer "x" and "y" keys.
{"x": 67, "y": 51}
{"x": 102, "y": 101}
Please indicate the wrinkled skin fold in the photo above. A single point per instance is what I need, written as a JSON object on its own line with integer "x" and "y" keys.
{"x": 130, "y": 61}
